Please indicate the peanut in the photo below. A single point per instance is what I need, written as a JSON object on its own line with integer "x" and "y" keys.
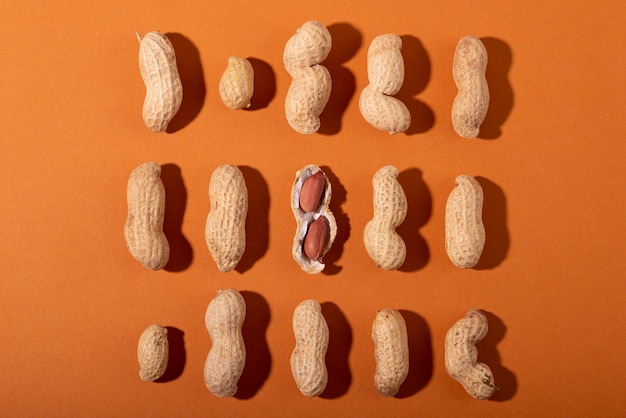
{"x": 465, "y": 232}
{"x": 308, "y": 359}
{"x": 391, "y": 351}
{"x": 311, "y": 84}
{"x": 164, "y": 90}
{"x": 225, "y": 231}
{"x": 227, "y": 357}
{"x": 462, "y": 356}
{"x": 385, "y": 72}
{"x": 311, "y": 192}
{"x": 383, "y": 244}
{"x": 143, "y": 231}
{"x": 316, "y": 229}
{"x": 316, "y": 238}
{"x": 237, "y": 83}
{"x": 152, "y": 353}
{"x": 472, "y": 100}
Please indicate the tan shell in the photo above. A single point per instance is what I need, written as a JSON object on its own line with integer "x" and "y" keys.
{"x": 311, "y": 84}
{"x": 153, "y": 353}
{"x": 164, "y": 90}
{"x": 308, "y": 364}
{"x": 385, "y": 72}
{"x": 391, "y": 351}
{"x": 143, "y": 231}
{"x": 383, "y": 244}
{"x": 225, "y": 231}
{"x": 461, "y": 355}
{"x": 465, "y": 232}
{"x": 304, "y": 219}
{"x": 472, "y": 100}
{"x": 237, "y": 83}
{"x": 226, "y": 359}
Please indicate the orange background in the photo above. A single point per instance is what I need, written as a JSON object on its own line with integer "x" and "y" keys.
{"x": 73, "y": 302}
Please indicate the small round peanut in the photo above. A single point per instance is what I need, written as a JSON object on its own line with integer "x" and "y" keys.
{"x": 465, "y": 232}
{"x": 308, "y": 364}
{"x": 311, "y": 84}
{"x": 472, "y": 100}
{"x": 461, "y": 355}
{"x": 143, "y": 231}
{"x": 153, "y": 353}
{"x": 227, "y": 357}
{"x": 164, "y": 90}
{"x": 237, "y": 83}
{"x": 383, "y": 244}
{"x": 391, "y": 351}
{"x": 385, "y": 72}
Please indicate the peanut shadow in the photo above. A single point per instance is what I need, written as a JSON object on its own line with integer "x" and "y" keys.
{"x": 181, "y": 253}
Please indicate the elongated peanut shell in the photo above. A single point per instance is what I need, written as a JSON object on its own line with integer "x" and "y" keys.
{"x": 308, "y": 364}
{"x": 143, "y": 231}
{"x": 385, "y": 72}
{"x": 383, "y": 244}
{"x": 153, "y": 353}
{"x": 226, "y": 359}
{"x": 472, "y": 100}
{"x": 237, "y": 83}
{"x": 304, "y": 220}
{"x": 164, "y": 90}
{"x": 225, "y": 232}
{"x": 465, "y": 232}
{"x": 391, "y": 351}
{"x": 311, "y": 84}
{"x": 461, "y": 355}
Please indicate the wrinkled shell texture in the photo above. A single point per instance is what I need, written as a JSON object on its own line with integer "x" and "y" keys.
{"x": 227, "y": 357}
{"x": 391, "y": 351}
{"x": 143, "y": 231}
{"x": 225, "y": 232}
{"x": 385, "y": 72}
{"x": 153, "y": 353}
{"x": 461, "y": 355}
{"x": 472, "y": 100}
{"x": 237, "y": 83}
{"x": 308, "y": 359}
{"x": 465, "y": 232}
{"x": 305, "y": 219}
{"x": 383, "y": 244}
{"x": 311, "y": 84}
{"x": 164, "y": 90}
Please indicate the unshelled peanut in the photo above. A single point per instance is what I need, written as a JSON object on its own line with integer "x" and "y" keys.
{"x": 465, "y": 232}
{"x": 153, "y": 353}
{"x": 143, "y": 231}
{"x": 391, "y": 351}
{"x": 316, "y": 227}
{"x": 311, "y": 84}
{"x": 308, "y": 359}
{"x": 385, "y": 72}
{"x": 472, "y": 100}
{"x": 164, "y": 90}
{"x": 225, "y": 231}
{"x": 227, "y": 357}
{"x": 383, "y": 244}
{"x": 461, "y": 355}
{"x": 237, "y": 83}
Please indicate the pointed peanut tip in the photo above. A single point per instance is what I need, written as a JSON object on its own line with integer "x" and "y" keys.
{"x": 138, "y": 36}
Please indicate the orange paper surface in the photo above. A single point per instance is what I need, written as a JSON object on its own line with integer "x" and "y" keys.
{"x": 550, "y": 159}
